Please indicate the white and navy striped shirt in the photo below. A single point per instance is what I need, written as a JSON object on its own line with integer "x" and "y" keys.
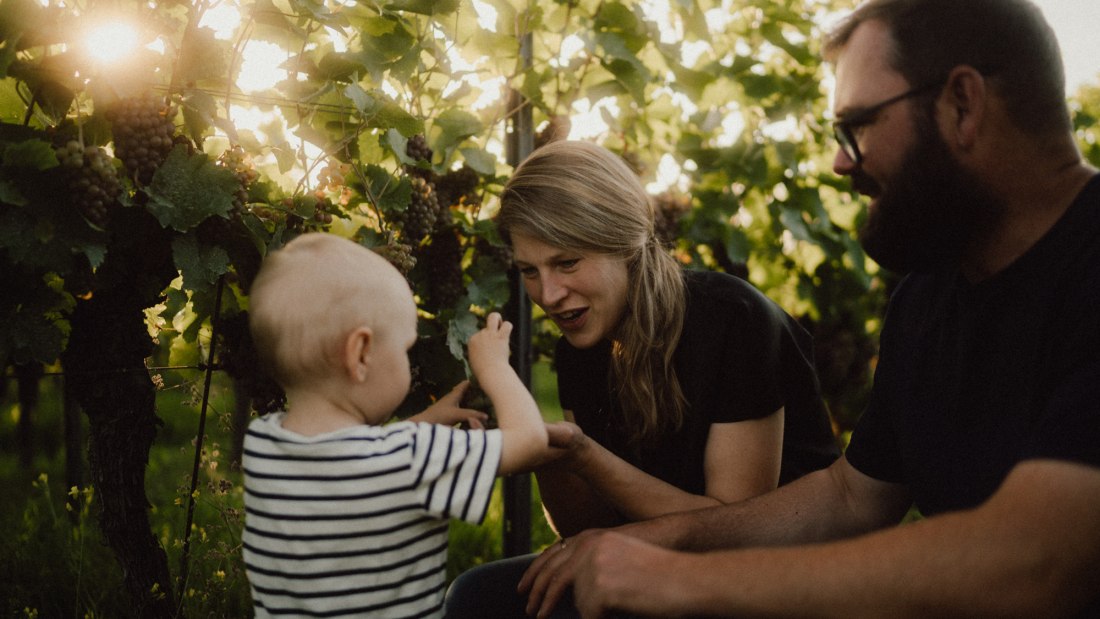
{"x": 354, "y": 522}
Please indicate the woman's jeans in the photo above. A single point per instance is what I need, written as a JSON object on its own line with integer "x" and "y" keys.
{"x": 489, "y": 592}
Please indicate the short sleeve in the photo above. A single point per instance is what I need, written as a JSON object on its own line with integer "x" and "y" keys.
{"x": 454, "y": 470}
{"x": 873, "y": 449}
{"x": 741, "y": 352}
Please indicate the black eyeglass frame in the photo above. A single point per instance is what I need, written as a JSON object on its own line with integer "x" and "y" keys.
{"x": 844, "y": 128}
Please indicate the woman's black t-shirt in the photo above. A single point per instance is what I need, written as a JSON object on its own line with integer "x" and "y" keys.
{"x": 740, "y": 357}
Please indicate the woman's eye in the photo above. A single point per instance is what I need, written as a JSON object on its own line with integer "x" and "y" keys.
{"x": 528, "y": 272}
{"x": 569, "y": 264}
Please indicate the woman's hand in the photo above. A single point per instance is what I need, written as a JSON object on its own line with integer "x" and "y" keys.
{"x": 568, "y": 442}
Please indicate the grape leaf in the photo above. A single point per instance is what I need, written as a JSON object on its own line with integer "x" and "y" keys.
{"x": 188, "y": 189}
{"x": 459, "y": 330}
{"x": 200, "y": 264}
{"x": 32, "y": 154}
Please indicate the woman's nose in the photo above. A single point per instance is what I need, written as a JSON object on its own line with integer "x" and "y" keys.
{"x": 552, "y": 291}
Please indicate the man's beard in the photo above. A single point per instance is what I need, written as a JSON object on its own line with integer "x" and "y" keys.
{"x": 932, "y": 212}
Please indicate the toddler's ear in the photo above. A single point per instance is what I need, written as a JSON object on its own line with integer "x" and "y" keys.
{"x": 357, "y": 349}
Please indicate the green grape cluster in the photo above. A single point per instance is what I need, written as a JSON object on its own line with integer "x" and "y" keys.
{"x": 239, "y": 163}
{"x": 418, "y": 220}
{"x": 92, "y": 180}
{"x": 398, "y": 254}
{"x": 144, "y": 127}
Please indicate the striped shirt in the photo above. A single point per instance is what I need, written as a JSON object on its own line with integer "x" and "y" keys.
{"x": 354, "y": 522}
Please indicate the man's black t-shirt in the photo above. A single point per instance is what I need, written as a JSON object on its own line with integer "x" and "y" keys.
{"x": 974, "y": 378}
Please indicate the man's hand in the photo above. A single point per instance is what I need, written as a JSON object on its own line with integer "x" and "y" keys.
{"x": 551, "y": 573}
{"x": 618, "y": 572}
{"x": 608, "y": 571}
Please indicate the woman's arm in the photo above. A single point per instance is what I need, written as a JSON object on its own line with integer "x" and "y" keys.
{"x": 741, "y": 461}
{"x": 570, "y": 503}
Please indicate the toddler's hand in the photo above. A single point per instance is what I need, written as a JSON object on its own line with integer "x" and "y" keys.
{"x": 448, "y": 410}
{"x": 488, "y": 348}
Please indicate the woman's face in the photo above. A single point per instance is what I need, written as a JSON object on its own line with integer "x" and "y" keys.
{"x": 584, "y": 293}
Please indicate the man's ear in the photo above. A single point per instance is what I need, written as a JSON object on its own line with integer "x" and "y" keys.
{"x": 357, "y": 350}
{"x": 961, "y": 107}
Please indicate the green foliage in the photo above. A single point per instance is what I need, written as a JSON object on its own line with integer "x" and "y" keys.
{"x": 719, "y": 105}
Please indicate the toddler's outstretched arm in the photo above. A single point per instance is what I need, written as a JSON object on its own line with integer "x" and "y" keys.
{"x": 525, "y": 441}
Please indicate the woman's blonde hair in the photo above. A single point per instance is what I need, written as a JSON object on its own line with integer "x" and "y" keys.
{"x": 581, "y": 197}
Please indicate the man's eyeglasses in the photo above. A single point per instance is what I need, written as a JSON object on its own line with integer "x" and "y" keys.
{"x": 845, "y": 128}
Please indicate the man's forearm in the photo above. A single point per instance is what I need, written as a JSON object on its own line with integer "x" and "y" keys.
{"x": 812, "y": 509}
{"x": 1014, "y": 556}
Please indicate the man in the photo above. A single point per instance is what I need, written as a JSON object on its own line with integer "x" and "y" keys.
{"x": 985, "y": 412}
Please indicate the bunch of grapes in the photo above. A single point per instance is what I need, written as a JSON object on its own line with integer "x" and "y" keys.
{"x": 458, "y": 188}
{"x": 332, "y": 179}
{"x": 143, "y": 129}
{"x": 398, "y": 254}
{"x": 322, "y": 212}
{"x": 419, "y": 219}
{"x": 500, "y": 254}
{"x": 237, "y": 161}
{"x": 556, "y": 129}
{"x": 237, "y": 355}
{"x": 91, "y": 180}
{"x": 668, "y": 210}
{"x": 444, "y": 260}
{"x": 634, "y": 162}
{"x": 418, "y": 150}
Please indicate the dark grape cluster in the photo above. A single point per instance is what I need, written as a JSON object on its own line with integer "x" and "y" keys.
{"x": 458, "y": 188}
{"x": 634, "y": 162}
{"x": 91, "y": 179}
{"x": 143, "y": 129}
{"x": 237, "y": 355}
{"x": 398, "y": 254}
{"x": 237, "y": 161}
{"x": 418, "y": 220}
{"x": 322, "y": 212}
{"x": 444, "y": 262}
{"x": 556, "y": 129}
{"x": 501, "y": 254}
{"x": 668, "y": 210}
{"x": 417, "y": 148}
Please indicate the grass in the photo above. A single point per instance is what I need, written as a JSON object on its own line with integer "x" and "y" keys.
{"x": 56, "y": 563}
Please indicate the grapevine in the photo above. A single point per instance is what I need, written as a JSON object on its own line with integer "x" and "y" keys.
{"x": 143, "y": 132}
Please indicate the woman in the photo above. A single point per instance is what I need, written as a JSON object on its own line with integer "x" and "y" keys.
{"x": 688, "y": 389}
